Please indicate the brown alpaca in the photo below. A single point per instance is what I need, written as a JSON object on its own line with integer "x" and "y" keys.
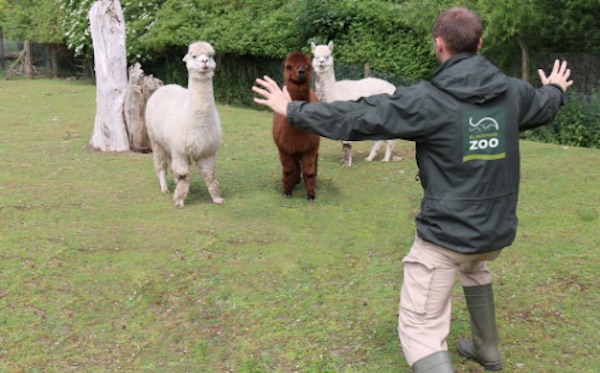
{"x": 298, "y": 150}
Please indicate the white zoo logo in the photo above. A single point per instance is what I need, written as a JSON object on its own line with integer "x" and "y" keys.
{"x": 485, "y": 123}
{"x": 484, "y": 144}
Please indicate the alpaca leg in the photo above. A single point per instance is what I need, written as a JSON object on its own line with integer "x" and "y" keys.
{"x": 378, "y": 144}
{"x": 291, "y": 172}
{"x": 347, "y": 150}
{"x": 389, "y": 148}
{"x": 309, "y": 172}
{"x": 160, "y": 158}
{"x": 181, "y": 174}
{"x": 207, "y": 169}
{"x": 297, "y": 169}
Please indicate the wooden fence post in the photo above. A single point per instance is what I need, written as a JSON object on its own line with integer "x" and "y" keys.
{"x": 1, "y": 48}
{"x": 28, "y": 64}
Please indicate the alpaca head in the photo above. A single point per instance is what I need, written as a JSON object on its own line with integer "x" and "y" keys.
{"x": 322, "y": 58}
{"x": 297, "y": 68}
{"x": 200, "y": 60}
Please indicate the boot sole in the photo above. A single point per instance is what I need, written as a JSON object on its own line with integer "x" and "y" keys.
{"x": 488, "y": 366}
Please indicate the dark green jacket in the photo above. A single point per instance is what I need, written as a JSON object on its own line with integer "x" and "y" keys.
{"x": 465, "y": 123}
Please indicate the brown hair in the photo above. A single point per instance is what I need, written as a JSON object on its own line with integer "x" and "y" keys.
{"x": 460, "y": 28}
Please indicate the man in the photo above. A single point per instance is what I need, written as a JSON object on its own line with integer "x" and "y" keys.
{"x": 465, "y": 123}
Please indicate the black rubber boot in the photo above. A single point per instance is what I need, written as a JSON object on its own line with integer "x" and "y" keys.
{"x": 439, "y": 362}
{"x": 483, "y": 347}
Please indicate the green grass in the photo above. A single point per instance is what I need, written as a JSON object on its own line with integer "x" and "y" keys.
{"x": 100, "y": 273}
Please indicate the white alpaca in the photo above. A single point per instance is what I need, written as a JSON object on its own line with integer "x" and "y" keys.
{"x": 329, "y": 90}
{"x": 184, "y": 126}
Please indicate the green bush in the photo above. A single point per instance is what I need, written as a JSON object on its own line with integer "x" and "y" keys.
{"x": 577, "y": 124}
{"x": 378, "y": 35}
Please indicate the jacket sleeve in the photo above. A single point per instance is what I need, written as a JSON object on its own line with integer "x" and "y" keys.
{"x": 377, "y": 117}
{"x": 539, "y": 106}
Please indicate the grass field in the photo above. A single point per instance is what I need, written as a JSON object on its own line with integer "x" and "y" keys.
{"x": 100, "y": 273}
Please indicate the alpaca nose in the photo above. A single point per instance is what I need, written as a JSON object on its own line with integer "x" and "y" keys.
{"x": 301, "y": 72}
{"x": 301, "y": 75}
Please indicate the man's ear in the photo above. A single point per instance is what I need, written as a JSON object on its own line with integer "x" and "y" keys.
{"x": 480, "y": 44}
{"x": 439, "y": 44}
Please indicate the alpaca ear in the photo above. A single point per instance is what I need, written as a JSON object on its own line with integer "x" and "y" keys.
{"x": 312, "y": 46}
{"x": 186, "y": 57}
{"x": 330, "y": 45}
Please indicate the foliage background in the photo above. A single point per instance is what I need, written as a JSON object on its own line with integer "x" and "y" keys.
{"x": 391, "y": 35}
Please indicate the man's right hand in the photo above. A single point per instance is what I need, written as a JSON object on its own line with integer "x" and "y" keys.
{"x": 559, "y": 76}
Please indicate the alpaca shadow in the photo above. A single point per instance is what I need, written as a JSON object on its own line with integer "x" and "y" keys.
{"x": 328, "y": 192}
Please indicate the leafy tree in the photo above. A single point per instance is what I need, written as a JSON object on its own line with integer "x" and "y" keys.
{"x": 3, "y": 12}
{"x": 514, "y": 26}
{"x": 76, "y": 25}
{"x": 139, "y": 17}
{"x": 379, "y": 35}
{"x": 35, "y": 20}
{"x": 324, "y": 20}
{"x": 239, "y": 27}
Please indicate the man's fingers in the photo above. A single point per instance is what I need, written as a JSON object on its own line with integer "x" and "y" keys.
{"x": 267, "y": 82}
{"x": 260, "y": 91}
{"x": 563, "y": 68}
{"x": 271, "y": 81}
{"x": 287, "y": 93}
{"x": 262, "y": 83}
{"x": 556, "y": 67}
{"x": 543, "y": 76}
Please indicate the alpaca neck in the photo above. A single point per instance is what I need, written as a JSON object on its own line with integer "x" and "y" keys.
{"x": 324, "y": 85}
{"x": 299, "y": 92}
{"x": 201, "y": 94}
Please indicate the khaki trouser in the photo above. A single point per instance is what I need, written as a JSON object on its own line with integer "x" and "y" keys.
{"x": 425, "y": 304}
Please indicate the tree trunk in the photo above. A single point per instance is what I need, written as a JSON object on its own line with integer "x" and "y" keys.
{"x": 28, "y": 64}
{"x": 110, "y": 64}
{"x": 138, "y": 91}
{"x": 524, "y": 58}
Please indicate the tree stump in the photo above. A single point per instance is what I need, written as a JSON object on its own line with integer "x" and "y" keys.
{"x": 110, "y": 64}
{"x": 139, "y": 89}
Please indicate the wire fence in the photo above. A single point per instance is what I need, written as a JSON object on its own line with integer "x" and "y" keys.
{"x": 585, "y": 67}
{"x": 42, "y": 56}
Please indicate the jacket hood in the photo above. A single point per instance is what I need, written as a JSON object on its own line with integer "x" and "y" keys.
{"x": 470, "y": 77}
